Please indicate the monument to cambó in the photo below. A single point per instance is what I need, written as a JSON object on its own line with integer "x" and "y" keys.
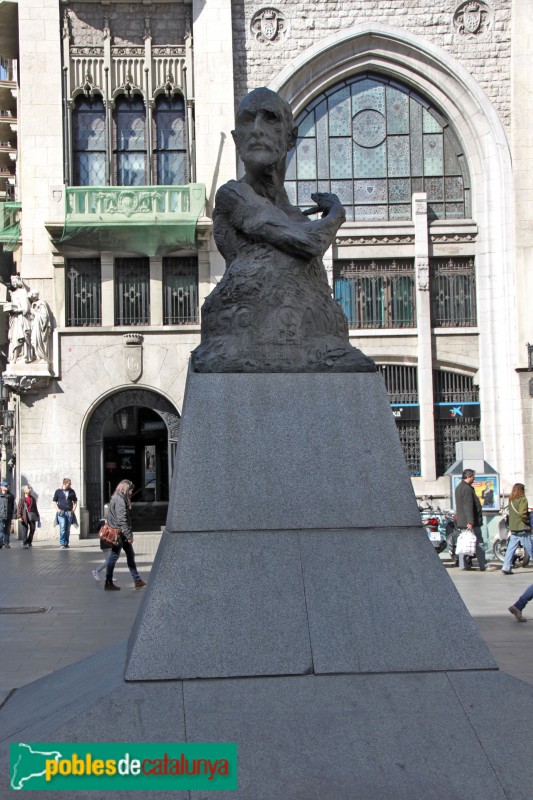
{"x": 296, "y": 606}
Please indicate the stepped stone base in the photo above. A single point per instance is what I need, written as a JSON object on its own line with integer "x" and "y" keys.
{"x": 296, "y": 607}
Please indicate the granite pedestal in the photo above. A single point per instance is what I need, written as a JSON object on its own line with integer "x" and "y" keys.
{"x": 297, "y": 607}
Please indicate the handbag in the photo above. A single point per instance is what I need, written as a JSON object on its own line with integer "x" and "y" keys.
{"x": 466, "y": 544}
{"x": 33, "y": 516}
{"x": 112, "y": 536}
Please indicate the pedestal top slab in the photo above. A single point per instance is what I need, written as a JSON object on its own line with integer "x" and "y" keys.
{"x": 277, "y": 451}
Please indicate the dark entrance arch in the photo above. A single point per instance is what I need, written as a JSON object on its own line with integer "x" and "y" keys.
{"x": 94, "y": 439}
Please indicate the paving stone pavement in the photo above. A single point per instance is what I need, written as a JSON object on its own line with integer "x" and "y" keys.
{"x": 82, "y": 618}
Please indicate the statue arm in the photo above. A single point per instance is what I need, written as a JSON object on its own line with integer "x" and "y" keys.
{"x": 261, "y": 221}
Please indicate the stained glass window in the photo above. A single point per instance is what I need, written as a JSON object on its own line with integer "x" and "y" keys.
{"x": 130, "y": 148}
{"x": 384, "y": 140}
{"x": 169, "y": 140}
{"x": 88, "y": 141}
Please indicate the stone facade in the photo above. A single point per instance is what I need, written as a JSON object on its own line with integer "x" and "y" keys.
{"x": 486, "y": 56}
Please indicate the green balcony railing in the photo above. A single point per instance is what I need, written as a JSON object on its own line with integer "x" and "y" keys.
{"x": 9, "y": 224}
{"x": 146, "y": 220}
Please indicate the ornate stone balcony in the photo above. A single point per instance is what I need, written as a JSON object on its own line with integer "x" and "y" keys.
{"x": 9, "y": 224}
{"x": 146, "y": 220}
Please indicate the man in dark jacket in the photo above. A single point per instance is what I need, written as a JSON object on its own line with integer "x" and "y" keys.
{"x": 470, "y": 516}
{"x": 65, "y": 502}
{"x": 7, "y": 507}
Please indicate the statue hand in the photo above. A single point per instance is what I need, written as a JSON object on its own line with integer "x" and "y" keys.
{"x": 325, "y": 203}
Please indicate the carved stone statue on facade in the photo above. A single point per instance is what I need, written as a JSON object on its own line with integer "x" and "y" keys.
{"x": 273, "y": 310}
{"x": 40, "y": 331}
{"x": 20, "y": 315}
{"x": 29, "y": 326}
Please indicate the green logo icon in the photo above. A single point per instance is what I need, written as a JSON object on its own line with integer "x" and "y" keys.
{"x": 123, "y": 766}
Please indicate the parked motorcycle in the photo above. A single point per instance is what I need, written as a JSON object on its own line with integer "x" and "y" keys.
{"x": 499, "y": 547}
{"x": 432, "y": 522}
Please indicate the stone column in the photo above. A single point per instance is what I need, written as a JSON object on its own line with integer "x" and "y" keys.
{"x": 156, "y": 290}
{"x": 423, "y": 315}
{"x": 108, "y": 294}
{"x": 214, "y": 105}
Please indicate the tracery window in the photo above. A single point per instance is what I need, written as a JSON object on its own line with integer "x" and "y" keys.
{"x": 130, "y": 147}
{"x": 374, "y": 142}
{"x": 88, "y": 141}
{"x": 170, "y": 164}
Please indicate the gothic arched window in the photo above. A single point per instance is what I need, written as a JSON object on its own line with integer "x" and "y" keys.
{"x": 88, "y": 141}
{"x": 170, "y": 162}
{"x": 374, "y": 142}
{"x": 130, "y": 147}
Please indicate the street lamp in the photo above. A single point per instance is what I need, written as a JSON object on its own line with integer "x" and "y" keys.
{"x": 123, "y": 419}
{"x": 8, "y": 419}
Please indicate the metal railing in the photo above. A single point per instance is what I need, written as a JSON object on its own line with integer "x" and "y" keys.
{"x": 453, "y": 292}
{"x": 377, "y": 294}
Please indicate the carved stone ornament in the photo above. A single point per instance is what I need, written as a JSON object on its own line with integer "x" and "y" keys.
{"x": 133, "y": 355}
{"x": 273, "y": 309}
{"x": 268, "y": 26}
{"x": 473, "y": 18}
{"x": 422, "y": 271}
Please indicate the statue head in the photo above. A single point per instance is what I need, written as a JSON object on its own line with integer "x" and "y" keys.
{"x": 264, "y": 130}
{"x": 16, "y": 282}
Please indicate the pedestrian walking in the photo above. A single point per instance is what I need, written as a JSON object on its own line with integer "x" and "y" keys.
{"x": 28, "y": 516}
{"x": 519, "y": 526}
{"x": 7, "y": 508}
{"x": 106, "y": 552}
{"x": 521, "y": 603}
{"x": 469, "y": 517}
{"x": 119, "y": 516}
{"x": 66, "y": 502}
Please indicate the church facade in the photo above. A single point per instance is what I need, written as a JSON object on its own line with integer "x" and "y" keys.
{"x": 120, "y": 119}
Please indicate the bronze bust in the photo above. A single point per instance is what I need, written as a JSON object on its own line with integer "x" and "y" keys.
{"x": 273, "y": 309}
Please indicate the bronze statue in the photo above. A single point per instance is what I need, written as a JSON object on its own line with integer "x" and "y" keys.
{"x": 273, "y": 310}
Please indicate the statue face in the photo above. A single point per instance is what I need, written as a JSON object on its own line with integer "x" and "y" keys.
{"x": 262, "y": 132}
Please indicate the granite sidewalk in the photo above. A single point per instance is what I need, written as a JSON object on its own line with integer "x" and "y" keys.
{"x": 80, "y": 618}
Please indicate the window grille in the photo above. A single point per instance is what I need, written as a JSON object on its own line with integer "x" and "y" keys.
{"x": 374, "y": 142}
{"x": 453, "y": 292}
{"x": 401, "y": 382}
{"x": 180, "y": 291}
{"x": 132, "y": 291}
{"x": 453, "y": 387}
{"x": 409, "y": 432}
{"x": 447, "y": 433}
{"x": 376, "y": 294}
{"x": 83, "y": 292}
{"x": 88, "y": 141}
{"x": 130, "y": 148}
{"x": 169, "y": 136}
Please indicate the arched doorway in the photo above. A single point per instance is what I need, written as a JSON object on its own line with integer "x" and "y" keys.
{"x": 133, "y": 435}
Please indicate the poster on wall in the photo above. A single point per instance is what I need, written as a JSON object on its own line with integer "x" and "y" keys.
{"x": 149, "y": 466}
{"x": 487, "y": 488}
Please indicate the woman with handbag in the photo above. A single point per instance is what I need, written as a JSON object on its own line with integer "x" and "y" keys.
{"x": 119, "y": 516}
{"x": 519, "y": 526}
{"x": 28, "y": 516}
